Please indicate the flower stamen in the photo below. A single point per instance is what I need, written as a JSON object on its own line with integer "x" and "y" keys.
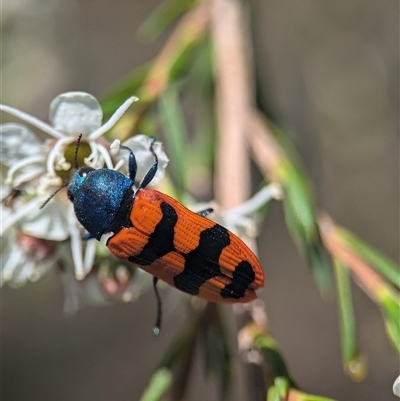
{"x": 90, "y": 253}
{"x": 113, "y": 119}
{"x": 46, "y": 182}
{"x": 119, "y": 164}
{"x": 92, "y": 158}
{"x": 12, "y": 262}
{"x": 23, "y": 163}
{"x": 53, "y": 154}
{"x": 106, "y": 155}
{"x": 19, "y": 213}
{"x": 28, "y": 176}
{"x": 269, "y": 192}
{"x": 115, "y": 146}
{"x": 76, "y": 245}
{"x": 48, "y": 129}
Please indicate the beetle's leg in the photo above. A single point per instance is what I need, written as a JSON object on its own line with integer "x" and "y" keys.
{"x": 152, "y": 170}
{"x": 132, "y": 163}
{"x": 205, "y": 212}
{"x": 157, "y": 326}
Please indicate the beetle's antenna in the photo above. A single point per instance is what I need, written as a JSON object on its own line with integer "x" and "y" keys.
{"x": 76, "y": 152}
{"x": 66, "y": 183}
{"x": 157, "y": 326}
{"x": 52, "y": 196}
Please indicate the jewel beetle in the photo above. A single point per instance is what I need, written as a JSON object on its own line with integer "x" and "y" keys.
{"x": 157, "y": 233}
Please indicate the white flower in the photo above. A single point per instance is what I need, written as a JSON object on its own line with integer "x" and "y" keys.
{"x": 242, "y": 219}
{"x": 39, "y": 167}
{"x": 26, "y": 258}
{"x": 396, "y": 387}
{"x": 102, "y": 287}
{"x": 71, "y": 114}
{"x": 140, "y": 145}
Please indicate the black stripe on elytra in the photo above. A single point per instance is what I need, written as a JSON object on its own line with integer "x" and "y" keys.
{"x": 202, "y": 263}
{"x": 242, "y": 277}
{"x": 123, "y": 217}
{"x": 161, "y": 240}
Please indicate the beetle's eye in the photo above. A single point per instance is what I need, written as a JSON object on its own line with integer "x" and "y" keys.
{"x": 83, "y": 171}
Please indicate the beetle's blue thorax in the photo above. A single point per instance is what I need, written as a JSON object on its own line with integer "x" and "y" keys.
{"x": 97, "y": 196}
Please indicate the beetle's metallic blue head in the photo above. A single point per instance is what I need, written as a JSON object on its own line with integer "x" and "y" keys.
{"x": 97, "y": 196}
{"x": 76, "y": 181}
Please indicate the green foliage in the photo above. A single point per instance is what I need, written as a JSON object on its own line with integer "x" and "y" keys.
{"x": 280, "y": 391}
{"x": 206, "y": 333}
{"x": 346, "y": 314}
{"x": 176, "y": 143}
{"x": 387, "y": 268}
{"x": 122, "y": 90}
{"x": 217, "y": 353}
{"x": 158, "y": 386}
{"x": 390, "y": 304}
{"x": 271, "y": 354}
{"x": 166, "y": 13}
{"x": 301, "y": 221}
{"x": 184, "y": 73}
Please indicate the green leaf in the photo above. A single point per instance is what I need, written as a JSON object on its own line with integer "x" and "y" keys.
{"x": 273, "y": 394}
{"x": 147, "y": 124}
{"x": 300, "y": 212}
{"x": 200, "y": 78}
{"x": 298, "y": 195}
{"x": 199, "y": 86}
{"x": 301, "y": 221}
{"x": 179, "y": 358}
{"x": 175, "y": 134}
{"x": 300, "y": 396}
{"x": 270, "y": 352}
{"x": 346, "y": 314}
{"x": 204, "y": 139}
{"x": 282, "y": 384}
{"x": 280, "y": 392}
{"x": 174, "y": 66}
{"x": 390, "y": 304}
{"x": 160, "y": 382}
{"x": 184, "y": 59}
{"x": 166, "y": 13}
{"x": 179, "y": 347}
{"x": 216, "y": 351}
{"x": 382, "y": 264}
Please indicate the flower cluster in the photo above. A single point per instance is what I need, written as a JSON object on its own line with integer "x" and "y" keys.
{"x": 36, "y": 240}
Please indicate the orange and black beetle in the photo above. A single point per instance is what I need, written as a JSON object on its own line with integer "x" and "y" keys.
{"x": 157, "y": 233}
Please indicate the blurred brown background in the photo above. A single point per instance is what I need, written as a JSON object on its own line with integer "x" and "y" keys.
{"x": 328, "y": 71}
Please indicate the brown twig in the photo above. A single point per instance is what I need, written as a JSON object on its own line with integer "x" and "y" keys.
{"x": 269, "y": 156}
{"x": 189, "y": 30}
{"x": 370, "y": 280}
{"x": 233, "y": 101}
{"x": 266, "y": 152}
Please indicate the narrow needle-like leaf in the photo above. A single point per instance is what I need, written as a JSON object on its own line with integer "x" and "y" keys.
{"x": 346, "y": 313}
{"x": 166, "y": 13}
{"x": 159, "y": 384}
{"x": 175, "y": 133}
{"x": 382, "y": 264}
